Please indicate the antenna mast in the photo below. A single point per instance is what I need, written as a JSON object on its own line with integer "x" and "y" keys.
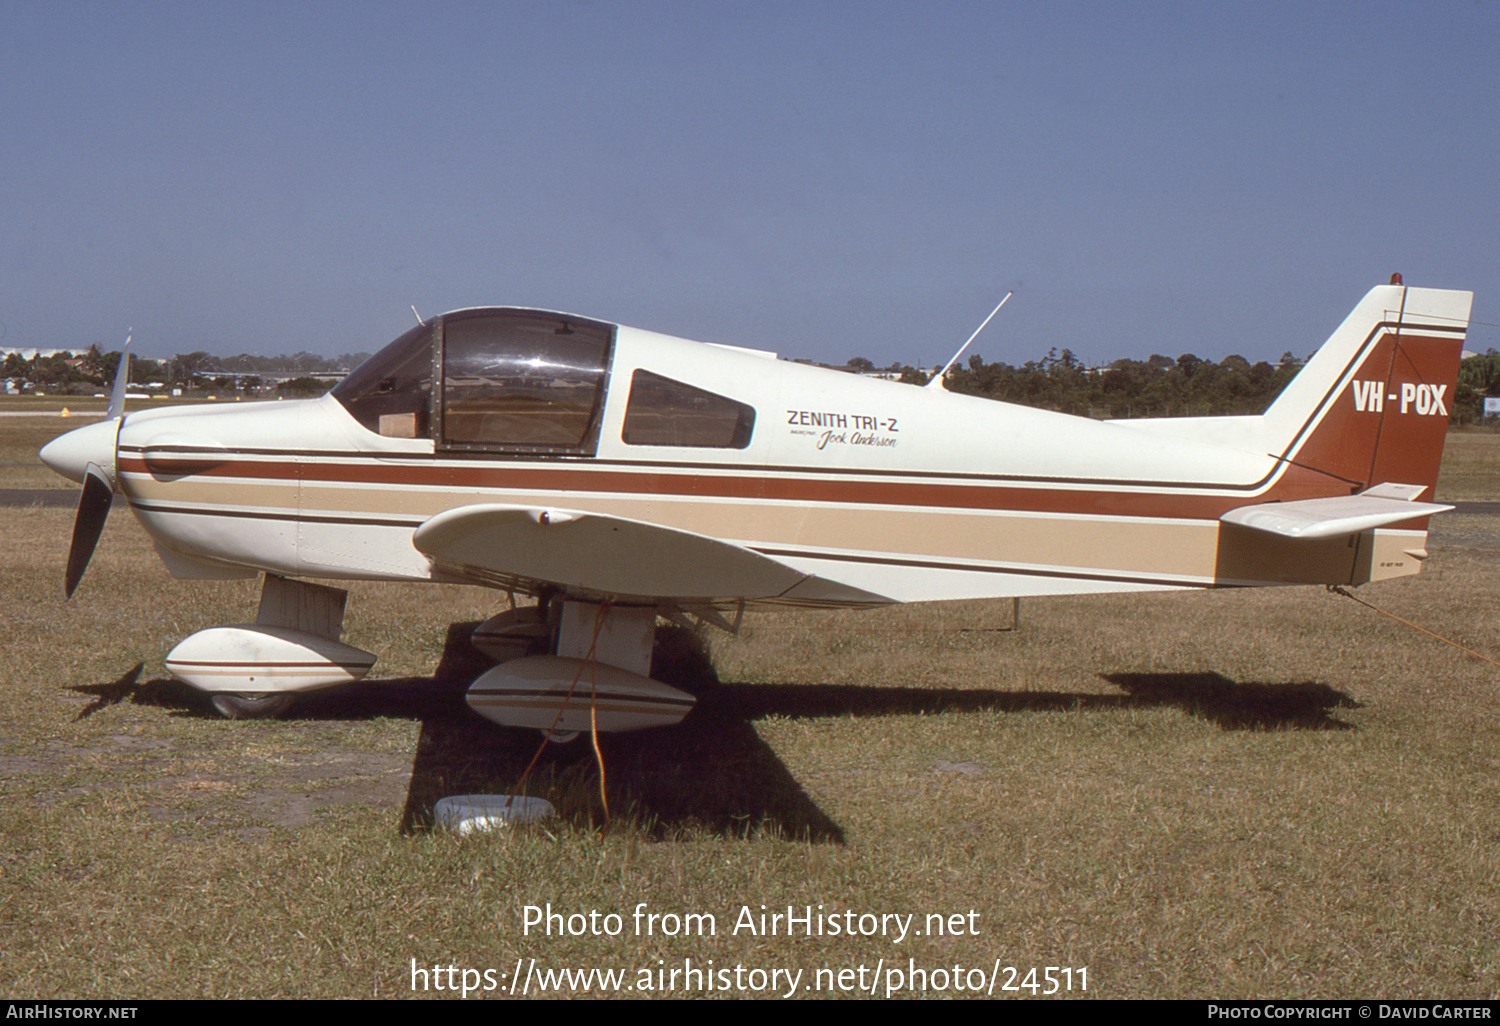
{"x": 937, "y": 379}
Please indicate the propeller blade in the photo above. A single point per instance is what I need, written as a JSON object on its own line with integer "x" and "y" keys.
{"x": 122, "y": 376}
{"x": 93, "y": 507}
{"x": 98, "y": 491}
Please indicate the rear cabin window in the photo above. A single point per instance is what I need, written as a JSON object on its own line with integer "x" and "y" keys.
{"x": 522, "y": 381}
{"x": 666, "y": 412}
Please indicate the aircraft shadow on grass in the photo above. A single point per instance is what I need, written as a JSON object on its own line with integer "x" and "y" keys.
{"x": 712, "y": 771}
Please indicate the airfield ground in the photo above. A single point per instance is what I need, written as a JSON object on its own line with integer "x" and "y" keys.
{"x": 1233, "y": 794}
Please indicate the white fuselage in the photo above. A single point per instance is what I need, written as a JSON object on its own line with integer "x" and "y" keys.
{"x": 901, "y": 492}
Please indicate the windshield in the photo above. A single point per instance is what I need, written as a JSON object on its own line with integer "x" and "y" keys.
{"x": 390, "y": 393}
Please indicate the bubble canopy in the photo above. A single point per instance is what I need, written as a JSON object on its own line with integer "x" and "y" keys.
{"x": 508, "y": 379}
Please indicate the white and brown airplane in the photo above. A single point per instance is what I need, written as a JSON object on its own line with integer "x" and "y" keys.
{"x": 621, "y": 477}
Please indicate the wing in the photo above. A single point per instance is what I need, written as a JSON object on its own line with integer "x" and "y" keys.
{"x": 525, "y": 546}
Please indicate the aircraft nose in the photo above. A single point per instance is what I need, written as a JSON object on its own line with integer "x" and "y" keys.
{"x": 71, "y": 454}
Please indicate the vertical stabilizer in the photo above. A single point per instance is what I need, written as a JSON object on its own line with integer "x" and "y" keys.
{"x": 1372, "y": 404}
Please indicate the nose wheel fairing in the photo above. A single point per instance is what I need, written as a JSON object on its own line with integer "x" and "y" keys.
{"x": 292, "y": 647}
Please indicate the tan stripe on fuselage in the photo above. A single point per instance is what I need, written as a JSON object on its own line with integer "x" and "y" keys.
{"x": 1154, "y": 546}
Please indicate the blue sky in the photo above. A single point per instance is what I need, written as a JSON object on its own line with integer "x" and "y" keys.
{"x": 827, "y": 180}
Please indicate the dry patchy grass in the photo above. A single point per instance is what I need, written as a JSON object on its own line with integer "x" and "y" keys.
{"x": 1471, "y": 467}
{"x": 1236, "y": 794}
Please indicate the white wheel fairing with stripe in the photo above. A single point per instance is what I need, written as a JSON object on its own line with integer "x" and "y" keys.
{"x": 252, "y": 658}
{"x": 561, "y": 694}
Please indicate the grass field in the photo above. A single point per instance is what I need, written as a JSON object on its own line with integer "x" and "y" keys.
{"x": 1233, "y": 794}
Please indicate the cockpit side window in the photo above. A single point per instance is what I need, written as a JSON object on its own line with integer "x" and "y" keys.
{"x": 666, "y": 412}
{"x": 522, "y": 381}
{"x": 391, "y": 392}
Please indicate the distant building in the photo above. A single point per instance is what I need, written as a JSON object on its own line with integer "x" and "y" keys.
{"x": 31, "y": 354}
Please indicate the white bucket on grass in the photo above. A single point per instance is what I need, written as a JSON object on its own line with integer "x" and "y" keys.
{"x": 468, "y": 813}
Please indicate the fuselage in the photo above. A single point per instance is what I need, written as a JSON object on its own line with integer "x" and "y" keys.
{"x": 902, "y": 492}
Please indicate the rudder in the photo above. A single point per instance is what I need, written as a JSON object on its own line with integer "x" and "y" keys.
{"x": 1371, "y": 407}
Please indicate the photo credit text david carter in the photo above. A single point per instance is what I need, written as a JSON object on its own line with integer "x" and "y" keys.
{"x": 1351, "y": 1010}
{"x": 884, "y": 976}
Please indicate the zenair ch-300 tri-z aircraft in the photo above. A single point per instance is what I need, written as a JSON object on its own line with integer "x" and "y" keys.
{"x": 622, "y": 477}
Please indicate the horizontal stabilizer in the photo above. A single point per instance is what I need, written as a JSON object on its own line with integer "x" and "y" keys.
{"x": 1333, "y": 517}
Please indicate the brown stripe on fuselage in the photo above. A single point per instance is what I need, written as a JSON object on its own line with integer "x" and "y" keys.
{"x": 462, "y": 483}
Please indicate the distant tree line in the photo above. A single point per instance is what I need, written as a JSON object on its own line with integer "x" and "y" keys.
{"x": 1161, "y": 386}
{"x": 1156, "y": 387}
